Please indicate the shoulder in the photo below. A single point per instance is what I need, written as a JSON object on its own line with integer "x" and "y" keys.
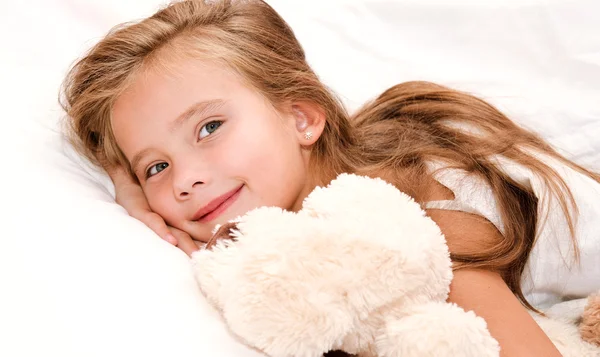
{"x": 465, "y": 233}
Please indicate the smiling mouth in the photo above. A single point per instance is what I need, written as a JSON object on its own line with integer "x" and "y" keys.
{"x": 217, "y": 206}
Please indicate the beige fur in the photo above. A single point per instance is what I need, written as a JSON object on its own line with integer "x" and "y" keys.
{"x": 590, "y": 321}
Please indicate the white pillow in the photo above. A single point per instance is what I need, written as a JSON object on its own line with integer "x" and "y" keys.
{"x": 81, "y": 278}
{"x": 537, "y": 60}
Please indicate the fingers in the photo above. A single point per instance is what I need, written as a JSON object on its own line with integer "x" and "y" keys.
{"x": 199, "y": 244}
{"x": 158, "y": 225}
{"x": 184, "y": 241}
{"x": 170, "y": 234}
{"x": 131, "y": 197}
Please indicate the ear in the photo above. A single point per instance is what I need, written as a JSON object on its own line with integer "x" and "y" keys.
{"x": 310, "y": 122}
{"x": 224, "y": 232}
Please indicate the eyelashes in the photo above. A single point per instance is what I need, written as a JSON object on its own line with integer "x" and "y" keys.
{"x": 205, "y": 131}
{"x": 209, "y": 128}
{"x": 157, "y": 168}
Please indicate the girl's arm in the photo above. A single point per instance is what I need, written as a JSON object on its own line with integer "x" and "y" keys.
{"x": 486, "y": 293}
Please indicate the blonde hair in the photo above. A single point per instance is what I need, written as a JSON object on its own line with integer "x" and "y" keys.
{"x": 394, "y": 137}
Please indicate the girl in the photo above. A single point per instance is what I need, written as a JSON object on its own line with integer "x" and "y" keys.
{"x": 206, "y": 110}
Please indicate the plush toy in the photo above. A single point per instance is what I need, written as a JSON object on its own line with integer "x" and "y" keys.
{"x": 360, "y": 268}
{"x": 573, "y": 326}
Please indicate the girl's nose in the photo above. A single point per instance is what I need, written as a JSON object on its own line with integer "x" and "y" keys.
{"x": 186, "y": 182}
{"x": 187, "y": 190}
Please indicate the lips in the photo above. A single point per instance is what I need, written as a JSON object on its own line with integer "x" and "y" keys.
{"x": 215, "y": 207}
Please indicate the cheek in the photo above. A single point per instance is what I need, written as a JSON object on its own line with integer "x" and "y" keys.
{"x": 273, "y": 167}
{"x": 161, "y": 201}
{"x": 259, "y": 155}
{"x": 243, "y": 153}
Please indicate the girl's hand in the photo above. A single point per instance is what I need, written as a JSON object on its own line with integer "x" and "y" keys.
{"x": 131, "y": 197}
{"x": 185, "y": 241}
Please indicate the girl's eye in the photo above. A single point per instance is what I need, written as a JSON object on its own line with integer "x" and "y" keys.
{"x": 153, "y": 170}
{"x": 209, "y": 128}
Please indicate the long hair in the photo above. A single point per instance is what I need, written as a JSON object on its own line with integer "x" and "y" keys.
{"x": 393, "y": 137}
{"x": 414, "y": 123}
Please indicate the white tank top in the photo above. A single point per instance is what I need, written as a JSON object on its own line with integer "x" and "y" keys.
{"x": 552, "y": 274}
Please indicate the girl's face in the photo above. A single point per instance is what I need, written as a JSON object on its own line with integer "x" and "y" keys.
{"x": 206, "y": 148}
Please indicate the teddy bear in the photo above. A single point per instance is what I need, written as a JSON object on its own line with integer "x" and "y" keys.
{"x": 573, "y": 326}
{"x": 360, "y": 269}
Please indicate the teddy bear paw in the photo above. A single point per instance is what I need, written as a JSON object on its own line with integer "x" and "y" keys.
{"x": 436, "y": 329}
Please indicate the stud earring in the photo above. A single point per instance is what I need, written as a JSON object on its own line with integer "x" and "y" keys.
{"x": 308, "y": 135}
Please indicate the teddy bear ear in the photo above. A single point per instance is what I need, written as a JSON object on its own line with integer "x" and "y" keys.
{"x": 223, "y": 232}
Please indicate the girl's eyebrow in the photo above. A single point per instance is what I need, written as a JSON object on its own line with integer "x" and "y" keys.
{"x": 138, "y": 157}
{"x": 196, "y": 109}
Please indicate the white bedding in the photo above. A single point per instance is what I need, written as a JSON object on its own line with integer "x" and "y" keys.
{"x": 79, "y": 277}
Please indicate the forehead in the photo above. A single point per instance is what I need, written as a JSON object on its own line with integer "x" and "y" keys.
{"x": 177, "y": 82}
{"x": 160, "y": 94}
